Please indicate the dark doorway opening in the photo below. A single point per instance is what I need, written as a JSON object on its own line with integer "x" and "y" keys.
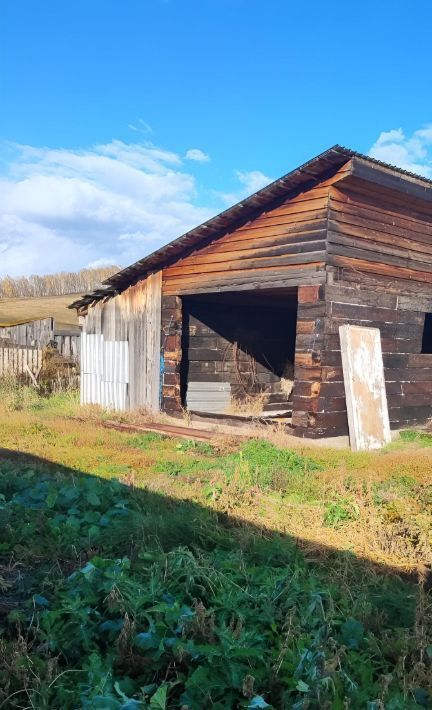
{"x": 427, "y": 335}
{"x": 238, "y": 352}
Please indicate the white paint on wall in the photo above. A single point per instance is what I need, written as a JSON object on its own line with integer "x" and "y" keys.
{"x": 366, "y": 398}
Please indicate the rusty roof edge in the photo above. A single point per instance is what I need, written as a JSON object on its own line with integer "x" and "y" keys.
{"x": 268, "y": 192}
{"x": 301, "y": 176}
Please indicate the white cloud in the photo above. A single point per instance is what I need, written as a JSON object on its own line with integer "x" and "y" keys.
{"x": 413, "y": 153}
{"x": 141, "y": 126}
{"x": 198, "y": 155}
{"x": 65, "y": 209}
{"x": 251, "y": 182}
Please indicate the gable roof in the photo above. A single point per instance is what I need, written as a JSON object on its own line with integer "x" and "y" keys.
{"x": 300, "y": 179}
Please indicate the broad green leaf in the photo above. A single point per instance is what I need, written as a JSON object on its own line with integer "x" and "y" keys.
{"x": 93, "y": 498}
{"x": 51, "y": 499}
{"x": 258, "y": 703}
{"x": 352, "y": 632}
{"x": 159, "y": 699}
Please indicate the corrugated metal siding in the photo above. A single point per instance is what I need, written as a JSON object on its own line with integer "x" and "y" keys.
{"x": 90, "y": 389}
{"x": 116, "y": 361}
{"x": 104, "y": 372}
{"x": 120, "y": 346}
{"x": 114, "y": 395}
{"x": 208, "y": 397}
{"x": 92, "y": 354}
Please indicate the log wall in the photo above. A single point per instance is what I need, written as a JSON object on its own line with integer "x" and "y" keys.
{"x": 282, "y": 247}
{"x": 356, "y": 247}
{"x": 171, "y": 349}
{"x": 379, "y": 274}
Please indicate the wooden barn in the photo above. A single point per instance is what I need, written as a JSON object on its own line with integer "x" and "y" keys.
{"x": 247, "y": 306}
{"x": 38, "y": 333}
{"x": 22, "y": 345}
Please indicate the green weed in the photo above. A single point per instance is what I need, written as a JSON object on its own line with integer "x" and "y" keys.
{"x": 112, "y": 596}
{"x": 198, "y": 447}
{"x": 129, "y": 599}
{"x": 260, "y": 463}
{"x": 144, "y": 441}
{"x": 339, "y": 511}
{"x": 418, "y": 437}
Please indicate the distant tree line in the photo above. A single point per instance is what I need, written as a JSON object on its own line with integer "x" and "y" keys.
{"x": 63, "y": 282}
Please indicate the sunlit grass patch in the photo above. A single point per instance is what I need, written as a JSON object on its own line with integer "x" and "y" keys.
{"x": 133, "y": 598}
{"x": 422, "y": 438}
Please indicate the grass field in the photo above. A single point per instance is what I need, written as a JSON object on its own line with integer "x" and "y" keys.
{"x": 139, "y": 571}
{"x": 17, "y": 310}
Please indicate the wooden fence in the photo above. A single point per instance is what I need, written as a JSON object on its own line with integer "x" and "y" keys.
{"x": 39, "y": 333}
{"x": 20, "y": 361}
{"x": 68, "y": 345}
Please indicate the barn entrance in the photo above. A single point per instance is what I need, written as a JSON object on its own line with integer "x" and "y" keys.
{"x": 238, "y": 353}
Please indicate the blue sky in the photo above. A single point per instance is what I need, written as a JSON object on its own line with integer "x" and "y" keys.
{"x": 125, "y": 123}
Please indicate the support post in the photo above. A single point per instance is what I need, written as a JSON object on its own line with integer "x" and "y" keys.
{"x": 171, "y": 354}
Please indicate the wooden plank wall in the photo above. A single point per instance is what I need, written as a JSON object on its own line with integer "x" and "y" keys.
{"x": 68, "y": 345}
{"x": 214, "y": 358}
{"x": 36, "y": 333}
{"x": 379, "y": 275}
{"x": 243, "y": 342}
{"x": 134, "y": 317}
{"x": 39, "y": 333}
{"x": 283, "y": 246}
{"x": 308, "y": 408}
{"x": 171, "y": 350}
{"x": 14, "y": 360}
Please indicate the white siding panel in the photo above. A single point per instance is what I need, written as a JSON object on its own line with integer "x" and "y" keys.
{"x": 120, "y": 348}
{"x": 208, "y": 397}
{"x": 90, "y": 389}
{"x": 116, "y": 361}
{"x": 92, "y": 354}
{"x": 114, "y": 395}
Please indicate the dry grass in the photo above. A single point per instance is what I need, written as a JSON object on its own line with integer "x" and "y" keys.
{"x": 376, "y": 505}
{"x": 16, "y": 310}
{"x": 250, "y": 405}
{"x": 286, "y": 386}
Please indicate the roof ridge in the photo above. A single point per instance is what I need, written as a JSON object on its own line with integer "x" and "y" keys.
{"x": 304, "y": 176}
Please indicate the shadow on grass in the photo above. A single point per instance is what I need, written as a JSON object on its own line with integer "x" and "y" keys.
{"x": 115, "y": 597}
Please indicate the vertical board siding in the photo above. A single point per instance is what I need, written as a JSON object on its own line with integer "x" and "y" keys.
{"x": 39, "y": 333}
{"x": 36, "y": 333}
{"x": 16, "y": 360}
{"x": 68, "y": 345}
{"x": 120, "y": 349}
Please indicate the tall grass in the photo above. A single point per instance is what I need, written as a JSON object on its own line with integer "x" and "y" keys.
{"x": 18, "y": 396}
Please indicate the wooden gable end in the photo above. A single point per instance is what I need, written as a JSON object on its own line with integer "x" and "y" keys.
{"x": 380, "y": 232}
{"x": 284, "y": 246}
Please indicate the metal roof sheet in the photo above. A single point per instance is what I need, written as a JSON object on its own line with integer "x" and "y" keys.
{"x": 303, "y": 177}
